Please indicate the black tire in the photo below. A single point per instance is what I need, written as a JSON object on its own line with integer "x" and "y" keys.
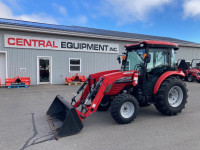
{"x": 185, "y": 78}
{"x": 116, "y": 105}
{"x": 198, "y": 81}
{"x": 105, "y": 104}
{"x": 162, "y": 97}
{"x": 190, "y": 78}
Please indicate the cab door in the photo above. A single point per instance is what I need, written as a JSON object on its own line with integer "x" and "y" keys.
{"x": 159, "y": 64}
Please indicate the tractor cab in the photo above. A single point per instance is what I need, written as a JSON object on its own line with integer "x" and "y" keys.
{"x": 152, "y": 59}
{"x": 154, "y": 56}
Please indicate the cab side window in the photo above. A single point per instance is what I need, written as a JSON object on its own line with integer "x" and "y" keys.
{"x": 159, "y": 59}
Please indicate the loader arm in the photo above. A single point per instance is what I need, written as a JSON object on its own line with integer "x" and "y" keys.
{"x": 116, "y": 79}
{"x": 91, "y": 80}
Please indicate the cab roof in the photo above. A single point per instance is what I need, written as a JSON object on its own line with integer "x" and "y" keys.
{"x": 152, "y": 44}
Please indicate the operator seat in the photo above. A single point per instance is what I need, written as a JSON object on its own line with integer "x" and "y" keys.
{"x": 183, "y": 65}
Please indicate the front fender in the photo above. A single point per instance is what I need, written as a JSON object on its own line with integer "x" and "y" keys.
{"x": 164, "y": 76}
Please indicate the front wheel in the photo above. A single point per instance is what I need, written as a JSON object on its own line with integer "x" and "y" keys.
{"x": 124, "y": 108}
{"x": 105, "y": 104}
{"x": 190, "y": 78}
{"x": 171, "y": 96}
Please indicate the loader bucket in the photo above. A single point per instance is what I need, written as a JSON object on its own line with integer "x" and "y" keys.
{"x": 63, "y": 118}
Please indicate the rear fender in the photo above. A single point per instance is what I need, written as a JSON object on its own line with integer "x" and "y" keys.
{"x": 164, "y": 76}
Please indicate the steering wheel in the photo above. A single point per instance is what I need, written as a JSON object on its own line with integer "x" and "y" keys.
{"x": 137, "y": 67}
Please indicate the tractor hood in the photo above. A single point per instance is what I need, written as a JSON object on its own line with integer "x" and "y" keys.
{"x": 117, "y": 74}
{"x": 100, "y": 74}
{"x": 120, "y": 74}
{"x": 117, "y": 81}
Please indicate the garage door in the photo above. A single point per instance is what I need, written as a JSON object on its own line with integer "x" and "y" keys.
{"x": 2, "y": 67}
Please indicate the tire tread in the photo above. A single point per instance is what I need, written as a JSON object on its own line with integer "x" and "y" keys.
{"x": 117, "y": 100}
{"x": 161, "y": 104}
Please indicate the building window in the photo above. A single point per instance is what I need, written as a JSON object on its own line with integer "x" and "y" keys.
{"x": 74, "y": 65}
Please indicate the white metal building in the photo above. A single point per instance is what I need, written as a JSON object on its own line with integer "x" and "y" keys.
{"x": 48, "y": 53}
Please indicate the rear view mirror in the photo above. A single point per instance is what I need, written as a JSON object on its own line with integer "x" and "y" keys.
{"x": 123, "y": 62}
{"x": 148, "y": 58}
{"x": 119, "y": 59}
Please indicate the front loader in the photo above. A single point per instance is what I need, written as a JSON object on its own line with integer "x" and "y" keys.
{"x": 148, "y": 76}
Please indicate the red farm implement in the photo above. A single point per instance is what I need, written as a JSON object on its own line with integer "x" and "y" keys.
{"x": 191, "y": 70}
{"x": 18, "y": 82}
{"x": 75, "y": 78}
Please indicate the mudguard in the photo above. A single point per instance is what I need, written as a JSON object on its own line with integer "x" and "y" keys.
{"x": 164, "y": 76}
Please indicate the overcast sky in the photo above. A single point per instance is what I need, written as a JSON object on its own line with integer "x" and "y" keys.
{"x": 169, "y": 18}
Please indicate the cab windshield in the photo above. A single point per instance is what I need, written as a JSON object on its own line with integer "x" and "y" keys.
{"x": 161, "y": 59}
{"x": 134, "y": 60}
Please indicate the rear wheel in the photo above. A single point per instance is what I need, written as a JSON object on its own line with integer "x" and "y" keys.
{"x": 105, "y": 104}
{"x": 124, "y": 108}
{"x": 171, "y": 96}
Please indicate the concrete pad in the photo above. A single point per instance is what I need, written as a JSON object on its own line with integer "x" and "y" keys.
{"x": 23, "y": 124}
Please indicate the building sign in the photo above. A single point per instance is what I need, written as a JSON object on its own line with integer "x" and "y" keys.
{"x": 16, "y": 41}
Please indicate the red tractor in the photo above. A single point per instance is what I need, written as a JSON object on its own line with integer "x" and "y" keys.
{"x": 147, "y": 76}
{"x": 192, "y": 70}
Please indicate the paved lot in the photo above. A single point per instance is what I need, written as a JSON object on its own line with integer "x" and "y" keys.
{"x": 23, "y": 124}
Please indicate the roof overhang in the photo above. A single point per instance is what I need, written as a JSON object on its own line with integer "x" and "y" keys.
{"x": 77, "y": 34}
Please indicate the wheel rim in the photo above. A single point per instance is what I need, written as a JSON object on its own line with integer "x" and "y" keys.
{"x": 190, "y": 78}
{"x": 127, "y": 109}
{"x": 175, "y": 96}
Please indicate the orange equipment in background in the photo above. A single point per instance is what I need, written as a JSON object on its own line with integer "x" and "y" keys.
{"x": 75, "y": 78}
{"x": 18, "y": 81}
